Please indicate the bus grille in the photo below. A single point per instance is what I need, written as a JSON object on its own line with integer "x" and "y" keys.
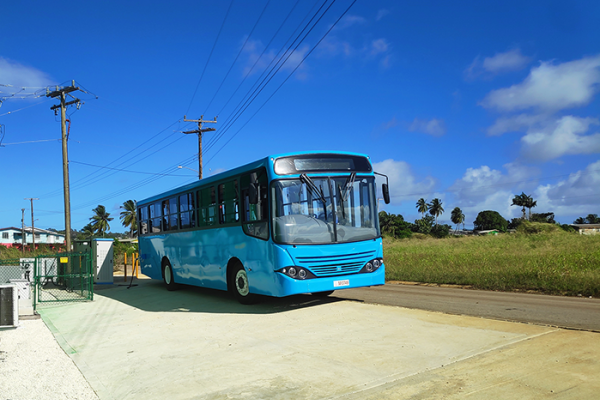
{"x": 336, "y": 265}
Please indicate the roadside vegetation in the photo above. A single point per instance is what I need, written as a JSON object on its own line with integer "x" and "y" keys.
{"x": 539, "y": 257}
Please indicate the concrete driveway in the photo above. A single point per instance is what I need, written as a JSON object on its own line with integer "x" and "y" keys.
{"x": 148, "y": 343}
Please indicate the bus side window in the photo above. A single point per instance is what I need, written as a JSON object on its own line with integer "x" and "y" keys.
{"x": 155, "y": 217}
{"x": 186, "y": 209}
{"x": 208, "y": 205}
{"x": 143, "y": 218}
{"x": 254, "y": 216}
{"x": 228, "y": 203}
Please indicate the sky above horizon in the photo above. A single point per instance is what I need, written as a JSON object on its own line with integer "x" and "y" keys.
{"x": 469, "y": 102}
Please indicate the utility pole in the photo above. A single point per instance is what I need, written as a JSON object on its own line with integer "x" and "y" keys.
{"x": 32, "y": 227}
{"x": 23, "y": 231}
{"x": 200, "y": 131}
{"x": 62, "y": 92}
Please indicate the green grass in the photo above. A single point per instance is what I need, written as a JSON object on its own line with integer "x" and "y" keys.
{"x": 552, "y": 262}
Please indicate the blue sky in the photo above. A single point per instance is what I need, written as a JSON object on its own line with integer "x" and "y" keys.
{"x": 469, "y": 102}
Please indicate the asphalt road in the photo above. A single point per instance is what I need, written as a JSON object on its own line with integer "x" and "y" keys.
{"x": 564, "y": 312}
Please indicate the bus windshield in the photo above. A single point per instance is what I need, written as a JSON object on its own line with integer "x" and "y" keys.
{"x": 321, "y": 210}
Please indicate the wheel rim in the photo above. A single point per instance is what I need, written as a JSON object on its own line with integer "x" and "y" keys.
{"x": 241, "y": 282}
{"x": 168, "y": 274}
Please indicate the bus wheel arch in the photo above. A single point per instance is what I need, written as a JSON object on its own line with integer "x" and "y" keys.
{"x": 168, "y": 275}
{"x": 238, "y": 283}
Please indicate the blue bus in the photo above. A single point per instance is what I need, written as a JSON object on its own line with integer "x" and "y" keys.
{"x": 283, "y": 225}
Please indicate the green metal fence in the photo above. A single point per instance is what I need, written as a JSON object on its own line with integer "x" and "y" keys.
{"x": 63, "y": 277}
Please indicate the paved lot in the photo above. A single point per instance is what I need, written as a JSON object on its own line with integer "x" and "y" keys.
{"x": 147, "y": 343}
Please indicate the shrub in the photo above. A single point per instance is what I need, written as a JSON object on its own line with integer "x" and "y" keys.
{"x": 536, "y": 227}
{"x": 440, "y": 231}
{"x": 487, "y": 220}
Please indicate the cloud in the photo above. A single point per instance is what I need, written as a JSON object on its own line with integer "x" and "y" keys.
{"x": 402, "y": 181}
{"x": 516, "y": 123}
{"x": 565, "y": 136}
{"x": 500, "y": 63}
{"x": 550, "y": 87}
{"x": 255, "y": 62}
{"x": 511, "y": 60}
{"x": 381, "y": 13}
{"x": 379, "y": 46}
{"x": 578, "y": 194}
{"x": 434, "y": 127}
{"x": 350, "y": 20}
{"x": 485, "y": 188}
{"x": 19, "y": 76}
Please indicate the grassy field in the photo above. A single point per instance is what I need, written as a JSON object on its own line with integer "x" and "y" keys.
{"x": 554, "y": 262}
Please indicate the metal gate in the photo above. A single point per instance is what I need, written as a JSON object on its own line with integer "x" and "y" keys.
{"x": 63, "y": 277}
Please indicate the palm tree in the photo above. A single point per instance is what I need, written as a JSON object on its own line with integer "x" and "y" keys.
{"x": 128, "y": 217}
{"x": 422, "y": 206}
{"x": 529, "y": 203}
{"x": 88, "y": 230}
{"x": 436, "y": 209}
{"x": 457, "y": 217}
{"x": 580, "y": 221}
{"x": 101, "y": 220}
{"x": 520, "y": 201}
{"x": 592, "y": 219}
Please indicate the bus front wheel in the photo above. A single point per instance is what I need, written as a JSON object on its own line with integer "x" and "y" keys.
{"x": 168, "y": 276}
{"x": 240, "y": 286}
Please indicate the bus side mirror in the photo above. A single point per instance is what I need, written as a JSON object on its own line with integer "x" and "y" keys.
{"x": 253, "y": 193}
{"x": 386, "y": 193}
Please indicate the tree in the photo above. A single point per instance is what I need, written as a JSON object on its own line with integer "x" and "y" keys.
{"x": 547, "y": 218}
{"x": 423, "y": 225}
{"x": 128, "y": 217}
{"x": 487, "y": 220}
{"x": 579, "y": 221}
{"x": 88, "y": 230}
{"x": 457, "y": 217}
{"x": 436, "y": 209}
{"x": 422, "y": 206}
{"x": 530, "y": 203}
{"x": 592, "y": 219}
{"x": 520, "y": 200}
{"x": 101, "y": 220}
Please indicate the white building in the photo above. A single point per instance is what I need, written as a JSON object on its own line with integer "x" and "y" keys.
{"x": 12, "y": 236}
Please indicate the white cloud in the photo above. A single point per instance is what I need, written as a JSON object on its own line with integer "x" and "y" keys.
{"x": 565, "y": 136}
{"x": 579, "y": 194}
{"x": 402, "y": 181}
{"x": 381, "y": 13}
{"x": 379, "y": 46}
{"x": 434, "y": 127}
{"x": 19, "y": 76}
{"x": 256, "y": 63}
{"x": 350, "y": 20}
{"x": 508, "y": 61}
{"x": 516, "y": 123}
{"x": 550, "y": 87}
{"x": 511, "y": 60}
{"x": 484, "y": 188}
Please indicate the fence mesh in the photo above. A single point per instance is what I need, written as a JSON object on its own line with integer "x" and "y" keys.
{"x": 63, "y": 277}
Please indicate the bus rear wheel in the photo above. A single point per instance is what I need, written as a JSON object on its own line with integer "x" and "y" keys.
{"x": 240, "y": 286}
{"x": 168, "y": 276}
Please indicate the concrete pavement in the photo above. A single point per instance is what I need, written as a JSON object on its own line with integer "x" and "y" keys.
{"x": 148, "y": 343}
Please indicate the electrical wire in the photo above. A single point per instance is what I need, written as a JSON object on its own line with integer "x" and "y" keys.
{"x": 209, "y": 57}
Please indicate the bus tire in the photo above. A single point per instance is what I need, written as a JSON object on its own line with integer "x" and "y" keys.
{"x": 168, "y": 276}
{"x": 323, "y": 294}
{"x": 240, "y": 286}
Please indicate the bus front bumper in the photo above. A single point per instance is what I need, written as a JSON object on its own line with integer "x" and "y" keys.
{"x": 289, "y": 286}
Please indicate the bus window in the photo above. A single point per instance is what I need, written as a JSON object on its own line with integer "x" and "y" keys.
{"x": 254, "y": 216}
{"x": 170, "y": 217}
{"x": 208, "y": 205}
{"x": 187, "y": 208}
{"x": 155, "y": 218}
{"x": 143, "y": 218}
{"x": 228, "y": 203}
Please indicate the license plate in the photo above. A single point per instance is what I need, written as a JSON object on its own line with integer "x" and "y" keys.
{"x": 345, "y": 282}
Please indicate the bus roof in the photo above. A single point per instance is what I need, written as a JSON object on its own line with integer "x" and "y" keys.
{"x": 263, "y": 162}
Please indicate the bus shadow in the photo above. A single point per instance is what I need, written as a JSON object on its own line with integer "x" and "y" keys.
{"x": 152, "y": 296}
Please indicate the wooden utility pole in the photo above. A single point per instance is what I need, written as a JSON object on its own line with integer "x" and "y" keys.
{"x": 32, "y": 227}
{"x": 62, "y": 93}
{"x": 23, "y": 231}
{"x": 199, "y": 131}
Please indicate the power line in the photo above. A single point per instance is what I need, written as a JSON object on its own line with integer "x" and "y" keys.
{"x": 124, "y": 170}
{"x": 209, "y": 57}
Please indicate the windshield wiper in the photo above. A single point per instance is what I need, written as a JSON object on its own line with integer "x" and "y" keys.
{"x": 348, "y": 185}
{"x": 314, "y": 190}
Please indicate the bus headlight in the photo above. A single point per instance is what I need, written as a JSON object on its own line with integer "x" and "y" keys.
{"x": 372, "y": 266}
{"x": 297, "y": 273}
